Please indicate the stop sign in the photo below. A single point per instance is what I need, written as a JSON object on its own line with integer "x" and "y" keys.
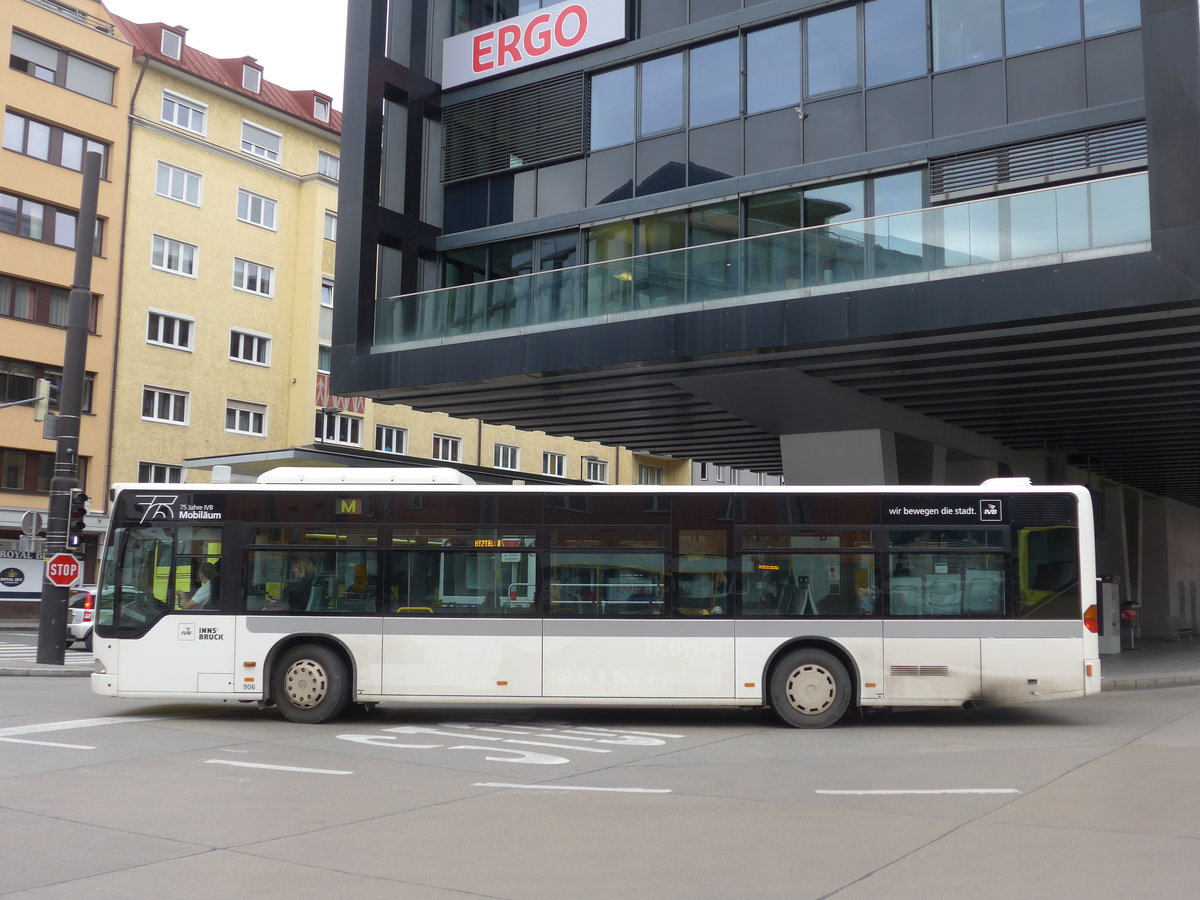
{"x": 63, "y": 570}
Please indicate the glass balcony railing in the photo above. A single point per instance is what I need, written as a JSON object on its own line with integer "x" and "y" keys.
{"x": 1110, "y": 212}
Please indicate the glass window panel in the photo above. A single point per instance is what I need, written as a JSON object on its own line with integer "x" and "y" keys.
{"x": 897, "y": 193}
{"x": 613, "y": 105}
{"x": 715, "y": 270}
{"x": 898, "y": 240}
{"x": 832, "y": 50}
{"x": 965, "y": 32}
{"x": 715, "y": 82}
{"x": 1120, "y": 211}
{"x": 792, "y": 585}
{"x": 1034, "y": 24}
{"x": 950, "y": 584}
{"x": 72, "y": 151}
{"x": 33, "y": 219}
{"x": 38, "y": 142}
{"x": 1071, "y": 205}
{"x": 606, "y": 584}
{"x": 35, "y": 51}
{"x": 834, "y": 254}
{"x": 1033, "y": 229}
{"x": 662, "y": 94}
{"x": 773, "y": 67}
{"x": 14, "y": 132}
{"x": 64, "y": 228}
{"x": 1107, "y": 16}
{"x": 894, "y": 40}
{"x": 609, "y": 287}
{"x": 772, "y": 262}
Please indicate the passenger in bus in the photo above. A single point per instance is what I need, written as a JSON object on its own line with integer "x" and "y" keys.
{"x": 202, "y": 597}
{"x": 295, "y": 594}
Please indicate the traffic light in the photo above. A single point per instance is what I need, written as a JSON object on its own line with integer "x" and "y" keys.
{"x": 76, "y": 518}
{"x": 41, "y": 400}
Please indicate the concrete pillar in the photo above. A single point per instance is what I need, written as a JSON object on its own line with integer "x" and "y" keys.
{"x": 866, "y": 456}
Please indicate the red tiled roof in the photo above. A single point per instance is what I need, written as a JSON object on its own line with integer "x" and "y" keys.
{"x": 227, "y": 73}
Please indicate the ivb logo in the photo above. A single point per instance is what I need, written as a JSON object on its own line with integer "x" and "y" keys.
{"x": 991, "y": 511}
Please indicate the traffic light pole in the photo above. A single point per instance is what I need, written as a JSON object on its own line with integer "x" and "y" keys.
{"x": 52, "y": 620}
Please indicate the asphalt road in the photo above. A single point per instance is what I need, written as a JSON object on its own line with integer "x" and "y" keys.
{"x": 130, "y": 799}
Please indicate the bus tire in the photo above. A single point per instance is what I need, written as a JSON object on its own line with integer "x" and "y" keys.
{"x": 310, "y": 684}
{"x": 810, "y": 689}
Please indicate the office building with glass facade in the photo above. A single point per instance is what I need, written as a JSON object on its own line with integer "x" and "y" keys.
{"x": 885, "y": 241}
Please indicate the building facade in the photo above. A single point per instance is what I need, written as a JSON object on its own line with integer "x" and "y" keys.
{"x": 68, "y": 70}
{"x": 886, "y": 241}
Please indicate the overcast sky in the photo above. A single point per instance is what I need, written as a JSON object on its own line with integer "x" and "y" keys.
{"x": 299, "y": 43}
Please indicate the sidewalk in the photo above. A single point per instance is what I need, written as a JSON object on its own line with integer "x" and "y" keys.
{"x": 1153, "y": 664}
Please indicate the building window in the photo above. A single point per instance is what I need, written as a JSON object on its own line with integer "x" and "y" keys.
{"x": 61, "y": 67}
{"x": 18, "y": 381}
{"x": 51, "y": 144}
{"x": 324, "y": 358}
{"x": 162, "y": 405}
{"x": 245, "y": 418}
{"x": 252, "y": 78}
{"x": 965, "y": 32}
{"x": 832, "y": 50}
{"x": 253, "y": 277}
{"x": 246, "y": 346}
{"x": 27, "y": 471}
{"x": 41, "y": 303}
{"x": 506, "y": 456}
{"x": 894, "y": 40}
{"x": 325, "y": 322}
{"x": 159, "y": 473}
{"x": 337, "y": 428}
{"x": 654, "y": 475}
{"x": 391, "y": 440}
{"x": 714, "y": 82}
{"x": 40, "y": 221}
{"x": 447, "y": 449}
{"x": 1107, "y": 16}
{"x": 190, "y": 115}
{"x": 320, "y": 109}
{"x": 662, "y": 95}
{"x": 595, "y": 470}
{"x": 773, "y": 68}
{"x": 167, "y": 330}
{"x": 330, "y": 225}
{"x": 328, "y": 165}
{"x": 174, "y": 256}
{"x": 178, "y": 184}
{"x": 172, "y": 44}
{"x": 256, "y": 209}
{"x": 554, "y": 464}
{"x": 1036, "y": 24}
{"x": 613, "y": 105}
{"x": 260, "y": 142}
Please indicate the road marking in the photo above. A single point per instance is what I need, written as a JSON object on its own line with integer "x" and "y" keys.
{"x": 937, "y": 791}
{"x": 11, "y": 740}
{"x": 76, "y": 723}
{"x": 572, "y": 787}
{"x": 250, "y": 765}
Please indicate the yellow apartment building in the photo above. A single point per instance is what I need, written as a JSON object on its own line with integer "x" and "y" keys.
{"x": 227, "y": 293}
{"x": 63, "y": 92}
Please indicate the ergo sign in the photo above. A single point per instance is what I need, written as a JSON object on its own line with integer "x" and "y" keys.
{"x": 537, "y": 37}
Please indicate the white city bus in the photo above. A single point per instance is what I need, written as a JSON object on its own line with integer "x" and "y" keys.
{"x": 331, "y": 587}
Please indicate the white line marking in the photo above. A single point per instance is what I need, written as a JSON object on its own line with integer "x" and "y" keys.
{"x": 75, "y": 723}
{"x": 572, "y": 787}
{"x": 941, "y": 791}
{"x": 249, "y": 765}
{"x": 9, "y": 740}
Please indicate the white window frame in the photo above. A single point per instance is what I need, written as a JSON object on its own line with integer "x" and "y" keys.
{"x": 339, "y": 422}
{"x": 326, "y": 349}
{"x": 176, "y": 174}
{"x": 447, "y": 448}
{"x": 161, "y": 393}
{"x": 250, "y": 410}
{"x": 554, "y": 464}
{"x": 159, "y": 473}
{"x": 268, "y": 210}
{"x": 329, "y": 165}
{"x": 251, "y": 78}
{"x": 194, "y": 107}
{"x": 647, "y": 474}
{"x": 325, "y": 314}
{"x": 252, "y": 340}
{"x": 399, "y": 439}
{"x": 330, "y": 225}
{"x": 181, "y": 246}
{"x": 175, "y": 320}
{"x": 506, "y": 456}
{"x": 171, "y": 44}
{"x": 262, "y": 152}
{"x": 595, "y": 470}
{"x": 321, "y": 109}
{"x": 251, "y": 273}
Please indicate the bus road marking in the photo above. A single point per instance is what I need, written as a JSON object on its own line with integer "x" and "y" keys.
{"x": 12, "y": 740}
{"x": 883, "y": 793}
{"x": 250, "y": 765}
{"x": 75, "y": 723}
{"x": 572, "y": 787}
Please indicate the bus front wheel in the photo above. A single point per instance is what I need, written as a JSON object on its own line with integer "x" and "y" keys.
{"x": 310, "y": 684}
{"x": 810, "y": 689}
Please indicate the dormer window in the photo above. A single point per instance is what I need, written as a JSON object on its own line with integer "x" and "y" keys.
{"x": 172, "y": 44}
{"x": 320, "y": 109}
{"x": 251, "y": 78}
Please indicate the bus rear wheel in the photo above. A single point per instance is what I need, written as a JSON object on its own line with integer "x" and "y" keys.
{"x": 310, "y": 684}
{"x": 810, "y": 689}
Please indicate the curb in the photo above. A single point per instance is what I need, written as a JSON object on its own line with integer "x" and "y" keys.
{"x": 46, "y": 671}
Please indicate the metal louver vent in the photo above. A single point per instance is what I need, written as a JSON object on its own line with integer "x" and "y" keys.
{"x": 943, "y": 671}
{"x": 1114, "y": 148}
{"x": 527, "y": 126}
{"x": 1044, "y": 510}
